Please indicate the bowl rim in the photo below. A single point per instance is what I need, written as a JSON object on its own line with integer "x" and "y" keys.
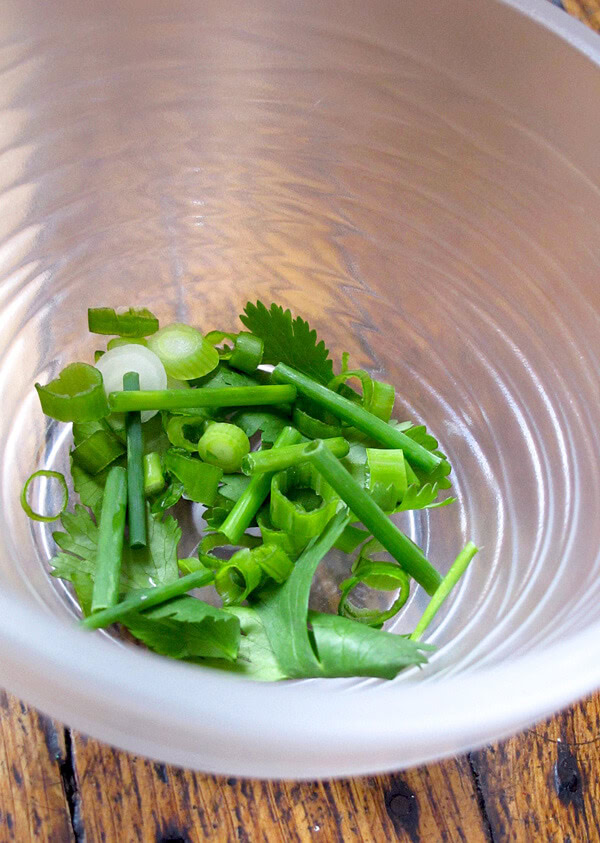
{"x": 122, "y": 694}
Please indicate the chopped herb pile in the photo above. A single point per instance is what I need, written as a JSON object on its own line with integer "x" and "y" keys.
{"x": 287, "y": 464}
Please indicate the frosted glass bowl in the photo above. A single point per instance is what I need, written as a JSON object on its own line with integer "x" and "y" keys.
{"x": 419, "y": 181}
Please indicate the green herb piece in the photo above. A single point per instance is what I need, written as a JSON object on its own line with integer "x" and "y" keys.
{"x": 135, "y": 322}
{"x": 117, "y": 342}
{"x": 348, "y": 648}
{"x": 254, "y": 494}
{"x": 110, "y": 540}
{"x": 224, "y": 445}
{"x": 223, "y": 376}
{"x": 51, "y": 475}
{"x": 271, "y": 535}
{"x": 76, "y": 395}
{"x": 237, "y": 577}
{"x": 255, "y": 659}
{"x": 342, "y": 647}
{"x": 200, "y": 480}
{"x": 377, "y": 575}
{"x": 168, "y": 498}
{"x": 183, "y": 351}
{"x": 457, "y": 569}
{"x": 172, "y": 399}
{"x": 90, "y": 488}
{"x": 154, "y": 479}
{"x": 185, "y": 432}
{"x": 269, "y": 423}
{"x": 151, "y": 566}
{"x": 287, "y": 510}
{"x": 312, "y": 427}
{"x": 98, "y": 451}
{"x": 377, "y": 396}
{"x": 288, "y": 340}
{"x": 386, "y": 473}
{"x": 140, "y": 601}
{"x": 247, "y": 352}
{"x": 259, "y": 462}
{"x": 187, "y": 628}
{"x": 351, "y": 538}
{"x": 404, "y": 551}
{"x": 353, "y": 414}
{"x": 423, "y": 497}
{"x": 136, "y": 500}
{"x": 212, "y": 541}
{"x": 233, "y": 486}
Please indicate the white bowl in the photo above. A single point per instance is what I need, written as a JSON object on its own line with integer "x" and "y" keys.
{"x": 419, "y": 181}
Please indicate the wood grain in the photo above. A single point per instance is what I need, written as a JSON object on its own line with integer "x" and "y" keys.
{"x": 587, "y": 11}
{"x": 33, "y": 799}
{"x": 130, "y": 799}
{"x": 543, "y": 785}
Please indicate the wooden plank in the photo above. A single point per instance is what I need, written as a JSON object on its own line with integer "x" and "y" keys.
{"x": 587, "y": 11}
{"x": 126, "y": 798}
{"x": 543, "y": 784}
{"x": 33, "y": 803}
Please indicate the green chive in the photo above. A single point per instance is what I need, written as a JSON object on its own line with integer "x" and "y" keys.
{"x": 110, "y": 540}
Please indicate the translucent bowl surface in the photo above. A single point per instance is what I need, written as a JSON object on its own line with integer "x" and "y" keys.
{"x": 419, "y": 181}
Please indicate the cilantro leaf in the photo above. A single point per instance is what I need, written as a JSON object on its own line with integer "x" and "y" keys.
{"x": 255, "y": 659}
{"x": 233, "y": 486}
{"x": 90, "y": 488}
{"x": 422, "y": 497}
{"x": 346, "y": 647}
{"x": 269, "y": 423}
{"x": 187, "y": 628}
{"x": 149, "y": 566}
{"x": 288, "y": 340}
{"x": 334, "y": 646}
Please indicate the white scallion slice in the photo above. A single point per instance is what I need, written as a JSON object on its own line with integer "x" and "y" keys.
{"x": 132, "y": 358}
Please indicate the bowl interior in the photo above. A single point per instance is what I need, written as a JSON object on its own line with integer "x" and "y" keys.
{"x": 191, "y": 165}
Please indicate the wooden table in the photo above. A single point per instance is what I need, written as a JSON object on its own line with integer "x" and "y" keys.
{"x": 57, "y": 785}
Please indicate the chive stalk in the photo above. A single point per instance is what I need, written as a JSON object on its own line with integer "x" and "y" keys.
{"x": 359, "y": 502}
{"x": 147, "y": 598}
{"x": 154, "y": 479}
{"x": 136, "y": 502}
{"x": 179, "y": 399}
{"x": 110, "y": 540}
{"x": 457, "y": 569}
{"x": 356, "y": 415}
{"x": 259, "y": 462}
{"x": 254, "y": 495}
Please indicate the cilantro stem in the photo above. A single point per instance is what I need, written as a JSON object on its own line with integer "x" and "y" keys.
{"x": 457, "y": 569}
{"x": 356, "y": 415}
{"x": 178, "y": 399}
{"x": 110, "y": 540}
{"x": 147, "y": 598}
{"x": 404, "y": 551}
{"x": 136, "y": 501}
{"x": 253, "y": 497}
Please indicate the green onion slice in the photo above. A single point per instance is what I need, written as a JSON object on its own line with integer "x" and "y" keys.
{"x": 300, "y": 515}
{"x": 183, "y": 351}
{"x": 312, "y": 427}
{"x": 117, "y": 342}
{"x": 271, "y": 535}
{"x": 211, "y": 541}
{"x": 224, "y": 445}
{"x": 382, "y": 576}
{"x": 185, "y": 432}
{"x": 247, "y": 352}
{"x": 51, "y": 475}
{"x": 238, "y": 577}
{"x": 98, "y": 451}
{"x": 200, "y": 480}
{"x": 76, "y": 395}
{"x": 134, "y": 322}
{"x": 154, "y": 479}
{"x": 386, "y": 473}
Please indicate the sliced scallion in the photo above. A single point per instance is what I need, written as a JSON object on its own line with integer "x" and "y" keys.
{"x": 224, "y": 445}
{"x": 179, "y": 399}
{"x": 51, "y": 475}
{"x": 76, "y": 395}
{"x": 183, "y": 351}
{"x": 133, "y": 322}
